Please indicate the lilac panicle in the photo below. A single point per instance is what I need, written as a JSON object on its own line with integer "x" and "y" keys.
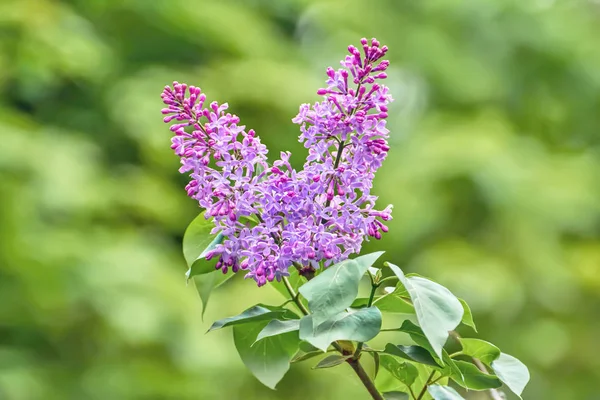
{"x": 313, "y": 217}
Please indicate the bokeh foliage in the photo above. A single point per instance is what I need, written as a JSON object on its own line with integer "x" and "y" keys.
{"x": 494, "y": 173}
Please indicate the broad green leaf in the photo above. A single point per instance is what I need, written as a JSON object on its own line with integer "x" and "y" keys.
{"x": 253, "y": 314}
{"x": 512, "y": 372}
{"x": 197, "y": 241}
{"x": 412, "y": 353}
{"x": 277, "y": 327}
{"x": 358, "y": 325}
{"x": 334, "y": 290}
{"x": 480, "y": 349}
{"x": 206, "y": 283}
{"x": 269, "y": 358}
{"x": 417, "y": 335}
{"x": 395, "y": 396}
{"x": 332, "y": 361}
{"x": 439, "y": 392}
{"x": 467, "y": 318}
{"x": 403, "y": 371}
{"x": 474, "y": 379}
{"x": 438, "y": 310}
{"x": 397, "y": 301}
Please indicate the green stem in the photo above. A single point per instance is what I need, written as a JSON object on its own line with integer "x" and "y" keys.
{"x": 374, "y": 287}
{"x": 420, "y": 396}
{"x": 354, "y": 364}
{"x": 294, "y": 296}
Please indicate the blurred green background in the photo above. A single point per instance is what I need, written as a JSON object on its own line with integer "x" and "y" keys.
{"x": 494, "y": 173}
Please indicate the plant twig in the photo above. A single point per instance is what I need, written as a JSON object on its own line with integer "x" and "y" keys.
{"x": 354, "y": 364}
{"x": 420, "y": 396}
{"x": 374, "y": 287}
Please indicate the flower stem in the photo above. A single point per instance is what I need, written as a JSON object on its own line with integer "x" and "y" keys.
{"x": 374, "y": 287}
{"x": 354, "y": 363}
{"x": 420, "y": 396}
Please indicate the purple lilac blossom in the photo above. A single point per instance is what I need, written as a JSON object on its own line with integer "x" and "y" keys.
{"x": 317, "y": 216}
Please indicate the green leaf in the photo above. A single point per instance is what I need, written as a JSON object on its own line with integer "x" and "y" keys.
{"x": 386, "y": 382}
{"x": 412, "y": 353}
{"x": 438, "y": 310}
{"x": 277, "y": 327}
{"x": 467, "y": 318}
{"x": 206, "y": 283}
{"x": 253, "y": 314}
{"x": 334, "y": 290}
{"x": 197, "y": 241}
{"x": 417, "y": 335}
{"x": 376, "y": 361}
{"x": 395, "y": 396}
{"x": 439, "y": 392}
{"x": 397, "y": 301}
{"x": 480, "y": 349}
{"x": 332, "y": 361}
{"x": 358, "y": 325}
{"x": 302, "y": 356}
{"x": 472, "y": 378}
{"x": 269, "y": 358}
{"x": 512, "y": 372}
{"x": 403, "y": 371}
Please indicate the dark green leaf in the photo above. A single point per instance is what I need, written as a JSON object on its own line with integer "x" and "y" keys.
{"x": 438, "y": 310}
{"x": 334, "y": 290}
{"x": 269, "y": 358}
{"x": 202, "y": 265}
{"x": 253, "y": 314}
{"x": 395, "y": 396}
{"x": 439, "y": 392}
{"x": 412, "y": 353}
{"x": 331, "y": 361}
{"x": 277, "y": 327}
{"x": 467, "y": 318}
{"x": 472, "y": 378}
{"x": 512, "y": 372}
{"x": 376, "y": 361}
{"x": 417, "y": 335}
{"x": 403, "y": 371}
{"x": 484, "y": 351}
{"x": 358, "y": 325}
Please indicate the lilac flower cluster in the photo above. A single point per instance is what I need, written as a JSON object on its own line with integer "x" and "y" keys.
{"x": 309, "y": 218}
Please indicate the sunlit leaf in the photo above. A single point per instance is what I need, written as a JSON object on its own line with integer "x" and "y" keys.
{"x": 439, "y": 392}
{"x": 206, "y": 283}
{"x": 358, "y": 325}
{"x": 484, "y": 351}
{"x": 438, "y": 310}
{"x": 467, "y": 318}
{"x": 474, "y": 379}
{"x": 334, "y": 290}
{"x": 512, "y": 372}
